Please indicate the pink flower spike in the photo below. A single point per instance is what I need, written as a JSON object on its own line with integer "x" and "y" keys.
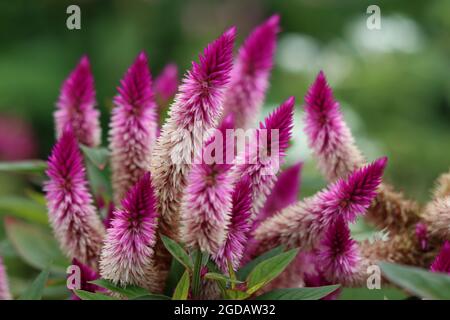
{"x": 133, "y": 127}
{"x": 87, "y": 274}
{"x": 234, "y": 245}
{"x": 328, "y": 134}
{"x": 5, "y": 294}
{"x": 72, "y": 214}
{"x": 442, "y": 261}
{"x": 75, "y": 106}
{"x": 250, "y": 76}
{"x": 338, "y": 256}
{"x": 129, "y": 245}
{"x": 166, "y": 84}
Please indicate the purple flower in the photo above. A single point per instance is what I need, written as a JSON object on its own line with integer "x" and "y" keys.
{"x": 442, "y": 261}
{"x": 233, "y": 247}
{"x": 328, "y": 134}
{"x": 251, "y": 72}
{"x": 4, "y": 287}
{"x": 87, "y": 274}
{"x": 129, "y": 245}
{"x": 75, "y": 106}
{"x": 303, "y": 224}
{"x": 71, "y": 211}
{"x": 133, "y": 127}
{"x": 166, "y": 84}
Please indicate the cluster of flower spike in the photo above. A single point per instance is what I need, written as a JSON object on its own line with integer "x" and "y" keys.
{"x": 235, "y": 210}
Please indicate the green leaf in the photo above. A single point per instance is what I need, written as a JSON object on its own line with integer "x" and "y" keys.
{"x": 99, "y": 180}
{"x": 34, "y": 292}
{"x": 268, "y": 270}
{"x": 220, "y": 277}
{"x": 243, "y": 273}
{"x": 153, "y": 297}
{"x": 131, "y": 292}
{"x": 385, "y": 293}
{"x": 35, "y": 245}
{"x": 86, "y": 295}
{"x": 236, "y": 295}
{"x": 298, "y": 293}
{"x": 37, "y": 197}
{"x": 28, "y": 166}
{"x": 175, "y": 273}
{"x": 196, "y": 281}
{"x": 182, "y": 289}
{"x": 178, "y": 252}
{"x": 98, "y": 156}
{"x": 24, "y": 208}
{"x": 423, "y": 283}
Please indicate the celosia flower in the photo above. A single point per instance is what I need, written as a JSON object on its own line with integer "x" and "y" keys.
{"x": 442, "y": 186}
{"x": 133, "y": 127}
{"x": 233, "y": 247}
{"x": 87, "y": 274}
{"x": 4, "y": 287}
{"x": 328, "y": 134}
{"x": 338, "y": 257}
{"x": 76, "y": 106}
{"x": 251, "y": 72}
{"x": 303, "y": 224}
{"x": 437, "y": 218}
{"x": 166, "y": 84}
{"x": 422, "y": 235}
{"x": 71, "y": 211}
{"x": 196, "y": 109}
{"x": 262, "y": 168}
{"x": 129, "y": 244}
{"x": 442, "y": 261}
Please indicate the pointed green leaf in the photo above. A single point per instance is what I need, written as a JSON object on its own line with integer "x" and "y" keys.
{"x": 34, "y": 292}
{"x": 423, "y": 283}
{"x": 178, "y": 252}
{"x": 86, "y": 295}
{"x": 175, "y": 273}
{"x": 268, "y": 270}
{"x": 153, "y": 297}
{"x": 243, "y": 272}
{"x": 23, "y": 208}
{"x": 98, "y": 156}
{"x": 131, "y": 292}
{"x": 28, "y": 166}
{"x": 182, "y": 289}
{"x": 220, "y": 277}
{"x": 298, "y": 293}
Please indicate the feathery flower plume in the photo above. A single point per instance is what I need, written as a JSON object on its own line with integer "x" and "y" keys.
{"x": 422, "y": 235}
{"x": 251, "y": 72}
{"x": 233, "y": 247}
{"x": 196, "y": 109}
{"x": 442, "y": 261}
{"x": 303, "y": 224}
{"x": 87, "y": 274}
{"x": 333, "y": 144}
{"x": 4, "y": 287}
{"x": 71, "y": 211}
{"x": 338, "y": 256}
{"x": 262, "y": 172}
{"x": 76, "y": 106}
{"x": 133, "y": 127}
{"x": 127, "y": 253}
{"x": 166, "y": 84}
{"x": 437, "y": 218}
{"x": 442, "y": 186}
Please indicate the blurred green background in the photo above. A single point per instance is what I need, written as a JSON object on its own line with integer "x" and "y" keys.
{"x": 393, "y": 84}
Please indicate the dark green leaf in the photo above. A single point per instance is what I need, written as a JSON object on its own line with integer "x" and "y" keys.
{"x": 28, "y": 166}
{"x": 236, "y": 295}
{"x": 34, "y": 292}
{"x": 86, "y": 295}
{"x": 196, "y": 281}
{"x": 178, "y": 252}
{"x": 298, "y": 293}
{"x": 182, "y": 289}
{"x": 220, "y": 277}
{"x": 268, "y": 270}
{"x": 98, "y": 156}
{"x": 153, "y": 297}
{"x": 175, "y": 273}
{"x": 420, "y": 282}
{"x": 243, "y": 272}
{"x": 130, "y": 292}
{"x": 385, "y": 293}
{"x": 36, "y": 245}
{"x": 24, "y": 208}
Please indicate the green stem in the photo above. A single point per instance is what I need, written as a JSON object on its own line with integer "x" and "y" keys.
{"x": 196, "y": 274}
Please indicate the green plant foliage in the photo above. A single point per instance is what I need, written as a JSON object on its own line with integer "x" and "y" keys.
{"x": 86, "y": 295}
{"x": 130, "y": 292}
{"x": 28, "y": 166}
{"x": 178, "y": 252}
{"x": 298, "y": 293}
{"x": 35, "y": 291}
{"x": 182, "y": 289}
{"x": 24, "y": 208}
{"x": 243, "y": 272}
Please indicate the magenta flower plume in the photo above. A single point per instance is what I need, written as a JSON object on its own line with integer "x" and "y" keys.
{"x": 442, "y": 261}
{"x": 5, "y": 294}
{"x": 129, "y": 245}
{"x": 75, "y": 106}
{"x": 328, "y": 134}
{"x": 87, "y": 274}
{"x": 72, "y": 214}
{"x": 303, "y": 224}
{"x": 166, "y": 84}
{"x": 196, "y": 109}
{"x": 339, "y": 257}
{"x": 251, "y": 72}
{"x": 233, "y": 247}
{"x": 133, "y": 127}
{"x": 421, "y": 231}
{"x": 262, "y": 167}
{"x": 206, "y": 207}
